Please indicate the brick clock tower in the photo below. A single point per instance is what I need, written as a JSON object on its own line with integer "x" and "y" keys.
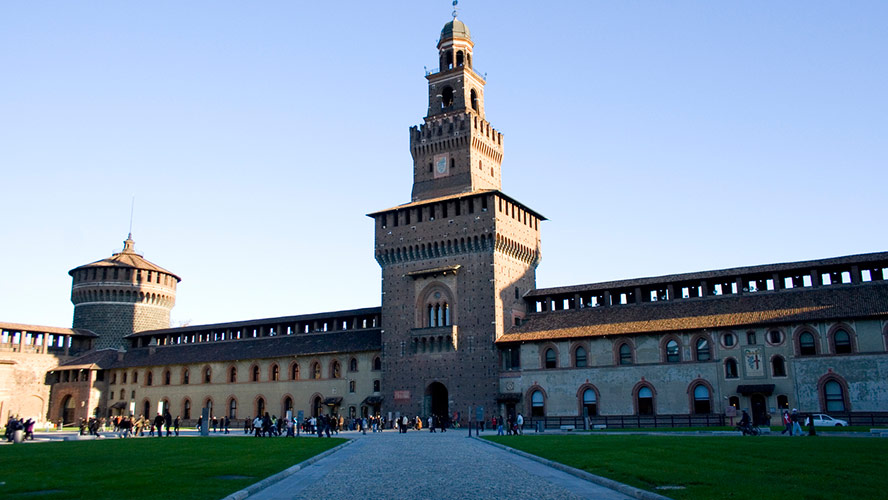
{"x": 458, "y": 258}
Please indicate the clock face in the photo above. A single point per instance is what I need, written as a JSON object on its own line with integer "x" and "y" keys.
{"x": 442, "y": 165}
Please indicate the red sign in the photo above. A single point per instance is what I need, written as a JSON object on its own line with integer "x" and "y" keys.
{"x": 402, "y": 395}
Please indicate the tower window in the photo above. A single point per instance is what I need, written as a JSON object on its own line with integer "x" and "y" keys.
{"x": 474, "y": 97}
{"x": 447, "y": 97}
{"x": 460, "y": 58}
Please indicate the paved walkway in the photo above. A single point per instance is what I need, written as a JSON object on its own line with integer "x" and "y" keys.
{"x": 447, "y": 466}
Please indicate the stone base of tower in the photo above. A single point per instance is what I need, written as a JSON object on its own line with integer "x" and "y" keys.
{"x": 112, "y": 321}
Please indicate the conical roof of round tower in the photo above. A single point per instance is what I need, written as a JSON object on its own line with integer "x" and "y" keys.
{"x": 455, "y": 29}
{"x": 126, "y": 258}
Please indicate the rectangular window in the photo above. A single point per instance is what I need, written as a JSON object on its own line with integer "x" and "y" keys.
{"x": 750, "y": 338}
{"x": 471, "y": 203}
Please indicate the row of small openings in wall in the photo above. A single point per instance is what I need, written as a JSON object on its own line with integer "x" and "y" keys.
{"x": 431, "y": 211}
{"x": 65, "y": 376}
{"x": 432, "y": 344}
{"x": 36, "y": 339}
{"x": 486, "y": 129}
{"x": 431, "y": 130}
{"x": 436, "y": 249}
{"x": 266, "y": 331}
{"x": 516, "y": 212}
{"x": 515, "y": 249}
{"x": 122, "y": 296}
{"x": 686, "y": 291}
{"x": 462, "y": 59}
{"x": 486, "y": 150}
{"x": 117, "y": 273}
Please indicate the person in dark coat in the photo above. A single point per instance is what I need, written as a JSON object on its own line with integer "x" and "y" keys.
{"x": 168, "y": 422}
{"x": 158, "y": 423}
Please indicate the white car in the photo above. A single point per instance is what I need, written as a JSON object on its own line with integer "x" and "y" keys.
{"x": 823, "y": 420}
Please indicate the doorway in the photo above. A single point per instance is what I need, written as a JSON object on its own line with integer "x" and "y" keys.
{"x": 437, "y": 399}
{"x": 68, "y": 410}
{"x": 759, "y": 409}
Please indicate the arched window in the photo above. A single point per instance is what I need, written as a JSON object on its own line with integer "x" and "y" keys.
{"x": 208, "y": 375}
{"x": 459, "y": 58}
{"x": 645, "y": 401}
{"x": 474, "y": 97}
{"x": 288, "y": 406}
{"x": 673, "y": 355}
{"x": 778, "y": 366}
{"x": 335, "y": 370}
{"x": 351, "y": 386}
{"x": 842, "y": 342}
{"x": 447, "y": 97}
{"x": 260, "y": 406}
{"x": 254, "y": 373}
{"x": 728, "y": 339}
{"x": 353, "y": 365}
{"x": 807, "y": 347}
{"x": 377, "y": 363}
{"x": 377, "y": 386}
{"x": 580, "y": 357}
{"x": 730, "y": 368}
{"x": 232, "y": 408}
{"x": 734, "y": 401}
{"x": 551, "y": 358}
{"x": 294, "y": 371}
{"x": 232, "y": 375}
{"x": 316, "y": 370}
{"x": 537, "y": 404}
{"x": 590, "y": 403}
{"x": 122, "y": 394}
{"x": 146, "y": 409}
{"x": 275, "y": 373}
{"x": 834, "y": 396}
{"x": 135, "y": 377}
{"x": 701, "y": 349}
{"x": 782, "y": 402}
{"x": 149, "y": 379}
{"x": 625, "y": 354}
{"x": 208, "y": 404}
{"x": 166, "y": 377}
{"x": 701, "y": 399}
{"x": 185, "y": 376}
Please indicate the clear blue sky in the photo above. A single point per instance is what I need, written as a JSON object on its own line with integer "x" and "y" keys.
{"x": 657, "y": 137}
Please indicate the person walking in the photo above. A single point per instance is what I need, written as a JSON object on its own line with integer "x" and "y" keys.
{"x": 176, "y": 424}
{"x": 787, "y": 423}
{"x": 519, "y": 422}
{"x": 168, "y": 422}
{"x": 796, "y": 423}
{"x": 158, "y": 423}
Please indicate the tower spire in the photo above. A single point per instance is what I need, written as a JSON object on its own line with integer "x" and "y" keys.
{"x": 455, "y": 9}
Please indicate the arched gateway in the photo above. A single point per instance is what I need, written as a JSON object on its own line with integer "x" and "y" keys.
{"x": 436, "y": 401}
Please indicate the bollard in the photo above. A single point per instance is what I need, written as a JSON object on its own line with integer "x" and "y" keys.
{"x": 18, "y": 436}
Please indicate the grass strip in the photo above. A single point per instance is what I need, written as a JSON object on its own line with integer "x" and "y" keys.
{"x": 182, "y": 468}
{"x": 715, "y": 467}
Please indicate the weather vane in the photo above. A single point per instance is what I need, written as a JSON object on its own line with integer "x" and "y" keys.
{"x": 455, "y": 8}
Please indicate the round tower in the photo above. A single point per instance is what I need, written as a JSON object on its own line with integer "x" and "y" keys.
{"x": 122, "y": 294}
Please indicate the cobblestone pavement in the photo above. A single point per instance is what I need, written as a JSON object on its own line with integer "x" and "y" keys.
{"x": 422, "y": 465}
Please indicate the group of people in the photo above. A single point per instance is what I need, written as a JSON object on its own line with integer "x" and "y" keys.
{"x": 513, "y": 425}
{"x": 792, "y": 423}
{"x": 217, "y": 424}
{"x": 131, "y": 427}
{"x": 19, "y": 424}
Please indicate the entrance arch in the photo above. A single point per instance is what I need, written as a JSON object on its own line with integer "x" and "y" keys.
{"x": 437, "y": 400}
{"x": 759, "y": 409}
{"x": 67, "y": 410}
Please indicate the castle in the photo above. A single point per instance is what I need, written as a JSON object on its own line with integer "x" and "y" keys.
{"x": 462, "y": 325}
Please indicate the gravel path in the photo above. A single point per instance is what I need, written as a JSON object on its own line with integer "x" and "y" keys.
{"x": 429, "y": 466}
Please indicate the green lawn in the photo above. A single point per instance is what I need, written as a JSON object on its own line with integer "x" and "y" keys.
{"x": 711, "y": 467}
{"x": 181, "y": 468}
